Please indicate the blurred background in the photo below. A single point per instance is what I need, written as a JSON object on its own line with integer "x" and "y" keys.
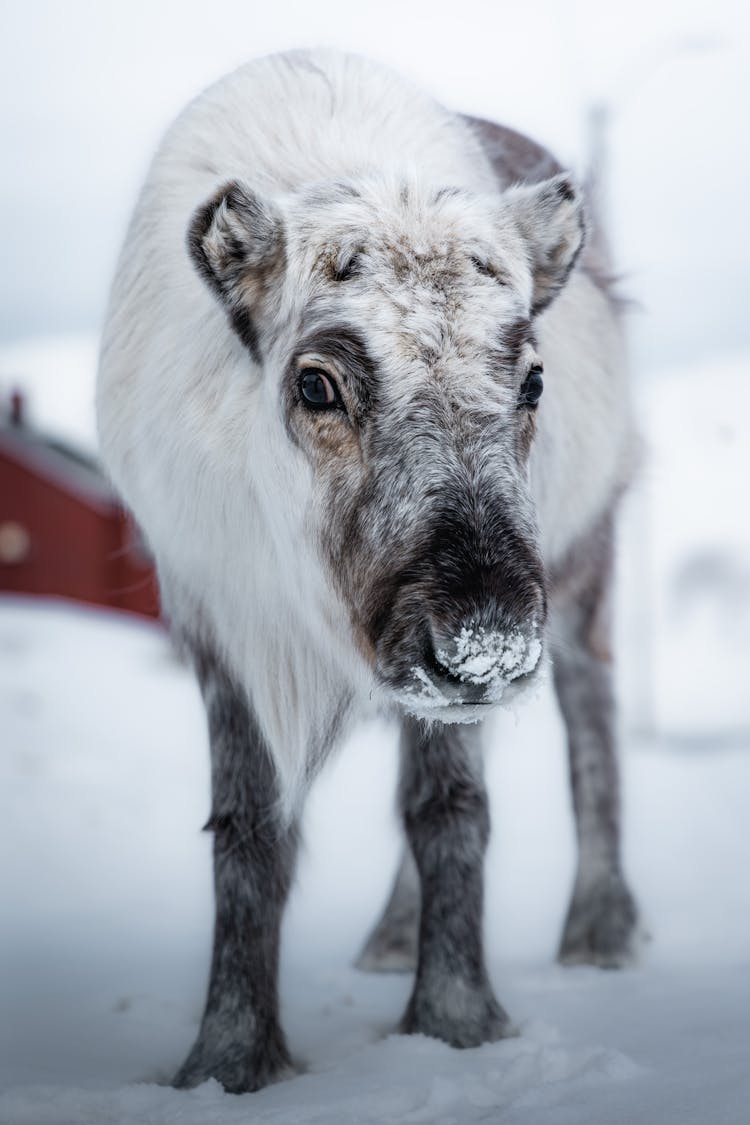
{"x": 654, "y": 98}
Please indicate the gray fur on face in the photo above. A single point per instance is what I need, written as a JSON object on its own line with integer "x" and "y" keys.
{"x": 426, "y": 461}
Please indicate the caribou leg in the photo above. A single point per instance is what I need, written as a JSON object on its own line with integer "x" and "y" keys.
{"x": 240, "y": 1042}
{"x": 392, "y": 944}
{"x": 601, "y": 927}
{"x": 446, "y": 816}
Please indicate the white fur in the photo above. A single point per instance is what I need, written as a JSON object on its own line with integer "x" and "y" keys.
{"x": 194, "y": 438}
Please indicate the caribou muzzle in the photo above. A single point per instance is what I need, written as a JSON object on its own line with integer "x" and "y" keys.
{"x": 450, "y": 645}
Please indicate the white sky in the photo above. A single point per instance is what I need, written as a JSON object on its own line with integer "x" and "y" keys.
{"x": 87, "y": 88}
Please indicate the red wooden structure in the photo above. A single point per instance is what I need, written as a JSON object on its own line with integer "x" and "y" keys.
{"x": 62, "y": 531}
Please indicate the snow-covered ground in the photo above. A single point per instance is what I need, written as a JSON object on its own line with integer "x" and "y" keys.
{"x": 106, "y": 885}
{"x": 107, "y": 903}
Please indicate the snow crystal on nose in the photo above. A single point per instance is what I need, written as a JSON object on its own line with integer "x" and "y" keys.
{"x": 483, "y": 656}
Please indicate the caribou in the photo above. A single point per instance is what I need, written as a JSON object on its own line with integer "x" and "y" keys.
{"x": 363, "y": 384}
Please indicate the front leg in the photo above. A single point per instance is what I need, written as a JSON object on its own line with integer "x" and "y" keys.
{"x": 446, "y": 816}
{"x": 240, "y": 1042}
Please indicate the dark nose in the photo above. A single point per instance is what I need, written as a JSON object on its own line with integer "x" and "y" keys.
{"x": 448, "y": 680}
{"x": 479, "y": 659}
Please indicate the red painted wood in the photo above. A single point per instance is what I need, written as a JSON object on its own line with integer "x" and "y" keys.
{"x": 80, "y": 543}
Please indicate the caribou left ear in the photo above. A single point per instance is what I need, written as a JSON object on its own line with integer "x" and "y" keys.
{"x": 550, "y": 219}
{"x": 236, "y": 241}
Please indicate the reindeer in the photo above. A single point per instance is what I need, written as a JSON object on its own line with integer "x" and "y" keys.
{"x": 320, "y": 394}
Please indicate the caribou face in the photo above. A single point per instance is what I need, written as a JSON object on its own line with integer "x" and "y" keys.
{"x": 397, "y": 327}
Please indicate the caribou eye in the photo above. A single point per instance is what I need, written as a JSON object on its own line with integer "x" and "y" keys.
{"x": 318, "y": 389}
{"x": 532, "y": 387}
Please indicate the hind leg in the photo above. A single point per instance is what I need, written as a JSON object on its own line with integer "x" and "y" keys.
{"x": 392, "y": 944}
{"x": 602, "y": 921}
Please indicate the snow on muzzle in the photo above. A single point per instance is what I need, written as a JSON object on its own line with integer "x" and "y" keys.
{"x": 488, "y": 657}
{"x": 461, "y": 625}
{"x": 470, "y": 667}
{"x": 477, "y": 664}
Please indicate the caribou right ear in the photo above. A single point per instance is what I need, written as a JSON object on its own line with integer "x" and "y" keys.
{"x": 549, "y": 216}
{"x": 236, "y": 241}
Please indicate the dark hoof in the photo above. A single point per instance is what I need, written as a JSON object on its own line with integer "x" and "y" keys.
{"x": 238, "y": 1070}
{"x": 601, "y": 927}
{"x": 459, "y": 1017}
